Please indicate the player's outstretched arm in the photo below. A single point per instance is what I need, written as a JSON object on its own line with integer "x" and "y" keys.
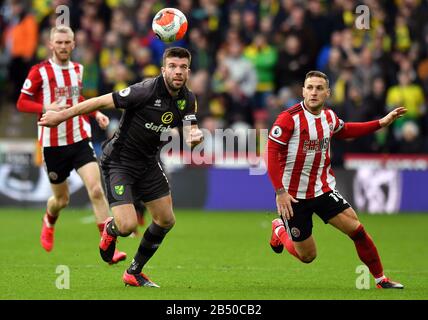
{"x": 53, "y": 118}
{"x": 392, "y": 116}
{"x": 358, "y": 129}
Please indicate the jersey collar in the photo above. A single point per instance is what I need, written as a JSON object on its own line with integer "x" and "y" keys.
{"x": 302, "y": 103}
{"x": 67, "y": 67}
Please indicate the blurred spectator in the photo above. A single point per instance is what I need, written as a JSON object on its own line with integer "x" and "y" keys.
{"x": 319, "y": 22}
{"x": 356, "y": 110}
{"x": 143, "y": 66}
{"x": 82, "y": 43}
{"x": 249, "y": 25}
{"x": 402, "y": 40}
{"x": 264, "y": 58}
{"x": 91, "y": 79}
{"x": 334, "y": 66}
{"x": 366, "y": 72}
{"x": 293, "y": 63}
{"x": 376, "y": 99}
{"x": 200, "y": 50}
{"x": 97, "y": 33}
{"x": 339, "y": 89}
{"x": 324, "y": 54}
{"x": 143, "y": 19}
{"x": 21, "y": 37}
{"x": 115, "y": 43}
{"x": 239, "y": 82}
{"x": 347, "y": 47}
{"x": 406, "y": 94}
{"x": 296, "y": 24}
{"x": 423, "y": 73}
{"x": 199, "y": 83}
{"x": 411, "y": 141}
{"x": 111, "y": 50}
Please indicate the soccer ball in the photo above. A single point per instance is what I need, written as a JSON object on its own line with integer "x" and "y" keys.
{"x": 169, "y": 24}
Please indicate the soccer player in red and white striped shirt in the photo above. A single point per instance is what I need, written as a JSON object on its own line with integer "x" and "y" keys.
{"x": 53, "y": 85}
{"x": 299, "y": 167}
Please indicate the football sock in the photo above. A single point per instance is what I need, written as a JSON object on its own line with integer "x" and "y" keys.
{"x": 282, "y": 234}
{"x": 150, "y": 242}
{"x": 367, "y": 251}
{"x": 50, "y": 220}
{"x": 112, "y": 229}
{"x": 100, "y": 227}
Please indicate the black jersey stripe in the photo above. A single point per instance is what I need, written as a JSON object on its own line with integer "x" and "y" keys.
{"x": 295, "y": 109}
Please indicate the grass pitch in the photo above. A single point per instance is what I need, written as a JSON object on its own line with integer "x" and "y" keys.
{"x": 208, "y": 256}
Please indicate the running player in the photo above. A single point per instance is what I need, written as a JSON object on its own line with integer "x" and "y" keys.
{"x": 53, "y": 85}
{"x": 129, "y": 163}
{"x": 300, "y": 170}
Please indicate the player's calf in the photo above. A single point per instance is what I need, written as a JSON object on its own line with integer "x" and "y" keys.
{"x": 307, "y": 258}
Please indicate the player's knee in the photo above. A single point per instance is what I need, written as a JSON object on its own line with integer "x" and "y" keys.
{"x": 126, "y": 227}
{"x": 308, "y": 257}
{"x": 96, "y": 192}
{"x": 166, "y": 223}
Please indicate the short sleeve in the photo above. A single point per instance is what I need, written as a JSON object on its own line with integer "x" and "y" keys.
{"x": 133, "y": 96}
{"x": 33, "y": 82}
{"x": 282, "y": 129}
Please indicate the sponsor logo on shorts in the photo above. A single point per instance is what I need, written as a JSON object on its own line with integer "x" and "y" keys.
{"x": 120, "y": 189}
{"x": 295, "y": 232}
{"x": 53, "y": 175}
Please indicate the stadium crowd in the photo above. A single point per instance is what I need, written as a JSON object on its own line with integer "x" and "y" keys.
{"x": 249, "y": 58}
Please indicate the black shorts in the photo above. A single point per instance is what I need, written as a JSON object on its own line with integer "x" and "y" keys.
{"x": 326, "y": 206}
{"x": 60, "y": 161}
{"x": 125, "y": 186}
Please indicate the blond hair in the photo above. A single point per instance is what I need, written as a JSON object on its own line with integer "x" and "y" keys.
{"x": 61, "y": 29}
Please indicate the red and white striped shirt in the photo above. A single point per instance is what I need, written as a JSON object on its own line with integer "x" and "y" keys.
{"x": 305, "y": 155}
{"x": 48, "y": 82}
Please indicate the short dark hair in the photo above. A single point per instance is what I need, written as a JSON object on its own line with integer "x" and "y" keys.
{"x": 176, "y": 52}
{"x": 319, "y": 74}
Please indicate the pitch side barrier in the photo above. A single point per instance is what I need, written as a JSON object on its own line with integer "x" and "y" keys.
{"x": 388, "y": 183}
{"x": 231, "y": 181}
{"x": 378, "y": 184}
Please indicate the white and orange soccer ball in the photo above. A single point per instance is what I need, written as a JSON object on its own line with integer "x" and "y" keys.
{"x": 169, "y": 24}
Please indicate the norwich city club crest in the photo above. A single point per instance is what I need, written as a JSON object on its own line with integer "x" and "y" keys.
{"x": 181, "y": 104}
{"x": 119, "y": 189}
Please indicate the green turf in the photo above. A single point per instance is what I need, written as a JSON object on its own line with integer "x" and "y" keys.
{"x": 209, "y": 255}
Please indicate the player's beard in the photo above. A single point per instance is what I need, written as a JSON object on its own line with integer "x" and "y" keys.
{"x": 172, "y": 87}
{"x": 62, "y": 56}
